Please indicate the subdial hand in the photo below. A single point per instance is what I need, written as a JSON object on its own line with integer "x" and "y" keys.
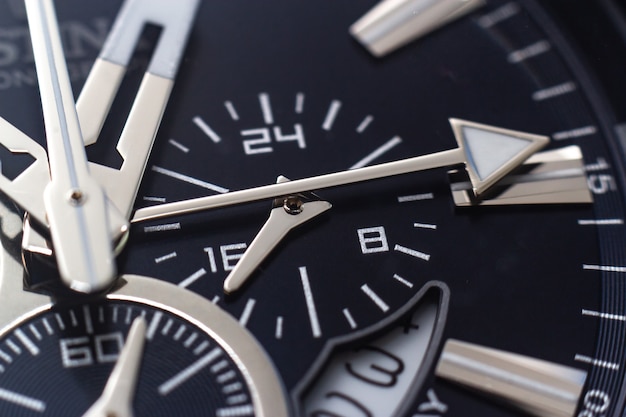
{"x": 488, "y": 153}
{"x": 117, "y": 397}
{"x": 287, "y": 214}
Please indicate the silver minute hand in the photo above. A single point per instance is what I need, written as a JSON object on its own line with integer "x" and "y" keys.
{"x": 488, "y": 153}
{"x": 75, "y": 204}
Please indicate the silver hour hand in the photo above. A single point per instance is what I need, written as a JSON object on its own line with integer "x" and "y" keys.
{"x": 117, "y": 397}
{"x": 75, "y": 204}
{"x": 287, "y": 214}
{"x": 176, "y": 19}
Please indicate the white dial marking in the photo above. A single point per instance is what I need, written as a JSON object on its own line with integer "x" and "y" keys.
{"x": 425, "y": 226}
{"x": 190, "y": 180}
{"x": 554, "y": 91}
{"x": 607, "y": 316}
{"x": 186, "y": 374}
{"x": 604, "y": 268}
{"x": 365, "y": 124}
{"x": 412, "y": 252}
{"x": 192, "y": 278}
{"x": 310, "y": 302}
{"x": 162, "y": 228}
{"x": 403, "y": 281}
{"x": 530, "y": 51}
{"x": 266, "y": 108}
{"x": 389, "y": 145}
{"x": 24, "y": 401}
{"x": 575, "y": 133}
{"x": 154, "y": 325}
{"x": 88, "y": 321}
{"x": 331, "y": 115}
{"x": 231, "y": 110}
{"x": 237, "y": 411}
{"x": 500, "y": 14}
{"x": 349, "y": 318}
{"x": 278, "y": 334}
{"x": 375, "y": 298}
{"x": 300, "y": 103}
{"x": 178, "y": 145}
{"x": 247, "y": 312}
{"x": 597, "y": 362}
{"x": 206, "y": 129}
{"x": 415, "y": 197}
{"x": 600, "y": 222}
{"x": 27, "y": 342}
{"x": 164, "y": 258}
{"x": 155, "y": 199}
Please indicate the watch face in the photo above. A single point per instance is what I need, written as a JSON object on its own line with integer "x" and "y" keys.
{"x": 484, "y": 279}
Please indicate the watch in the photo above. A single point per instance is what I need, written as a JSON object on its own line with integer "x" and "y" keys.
{"x": 401, "y": 208}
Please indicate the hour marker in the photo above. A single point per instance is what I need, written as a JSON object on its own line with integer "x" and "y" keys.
{"x": 219, "y": 367}
{"x": 299, "y": 103}
{"x": 604, "y": 268}
{"x": 236, "y": 399}
{"x": 165, "y": 257}
{"x": 60, "y": 321}
{"x": 192, "y": 278}
{"x": 596, "y": 362}
{"x": 201, "y": 348}
{"x": 35, "y": 332}
{"x": 540, "y": 387}
{"x": 231, "y": 110}
{"x": 375, "y": 298}
{"x": 349, "y": 318}
{"x": 226, "y": 376}
{"x": 27, "y": 342}
{"x": 601, "y": 222}
{"x": 412, "y": 252}
{"x": 530, "y": 51}
{"x": 500, "y": 14}
{"x": 216, "y": 299}
{"x": 278, "y": 334}
{"x": 310, "y": 303}
{"x": 415, "y": 197}
{"x": 190, "y": 340}
{"x": 232, "y": 388}
{"x": 237, "y": 411}
{"x": 22, "y": 400}
{"x": 155, "y": 199}
{"x": 600, "y": 165}
{"x": 189, "y": 372}
{"x": 247, "y": 312}
{"x": 555, "y": 91}
{"x": 129, "y": 315}
{"x": 115, "y": 314}
{"x": 606, "y": 316}
{"x": 5, "y": 357}
{"x": 47, "y": 326}
{"x": 331, "y": 115}
{"x": 189, "y": 180}
{"x": 88, "y": 321}
{"x": 365, "y": 124}
{"x": 179, "y": 333}
{"x": 392, "y": 23}
{"x": 389, "y": 145}
{"x": 206, "y": 129}
{"x": 73, "y": 318}
{"x": 403, "y": 281}
{"x": 101, "y": 314}
{"x": 154, "y": 325}
{"x": 425, "y": 226}
{"x": 178, "y": 145}
{"x": 168, "y": 326}
{"x": 162, "y": 228}
{"x": 575, "y": 133}
{"x": 266, "y": 108}
{"x": 15, "y": 348}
